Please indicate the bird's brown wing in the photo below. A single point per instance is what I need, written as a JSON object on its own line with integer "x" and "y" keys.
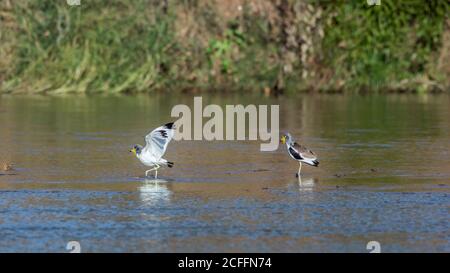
{"x": 304, "y": 152}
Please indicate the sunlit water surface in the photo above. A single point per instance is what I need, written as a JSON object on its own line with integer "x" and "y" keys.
{"x": 384, "y": 176}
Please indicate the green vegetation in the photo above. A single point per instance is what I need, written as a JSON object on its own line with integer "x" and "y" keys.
{"x": 380, "y": 47}
{"x": 122, "y": 46}
{"x": 91, "y": 48}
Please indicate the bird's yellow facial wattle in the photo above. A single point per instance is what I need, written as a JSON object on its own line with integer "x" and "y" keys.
{"x": 133, "y": 151}
{"x": 283, "y": 139}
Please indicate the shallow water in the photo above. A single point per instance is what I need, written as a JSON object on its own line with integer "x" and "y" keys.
{"x": 384, "y": 176}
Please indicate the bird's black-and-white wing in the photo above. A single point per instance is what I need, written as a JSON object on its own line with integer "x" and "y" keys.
{"x": 301, "y": 153}
{"x": 294, "y": 153}
{"x": 158, "y": 139}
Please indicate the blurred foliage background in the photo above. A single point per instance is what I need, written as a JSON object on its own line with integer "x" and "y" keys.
{"x": 124, "y": 46}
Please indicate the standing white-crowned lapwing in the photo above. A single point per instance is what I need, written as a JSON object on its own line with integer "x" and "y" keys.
{"x": 299, "y": 152}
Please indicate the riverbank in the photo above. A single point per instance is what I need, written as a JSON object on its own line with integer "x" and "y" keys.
{"x": 253, "y": 46}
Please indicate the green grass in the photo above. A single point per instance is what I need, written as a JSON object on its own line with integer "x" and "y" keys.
{"x": 377, "y": 47}
{"x": 139, "y": 46}
{"x": 91, "y": 48}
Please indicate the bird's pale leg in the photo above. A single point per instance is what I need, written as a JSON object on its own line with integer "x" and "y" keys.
{"x": 147, "y": 171}
{"x": 299, "y": 169}
{"x": 156, "y": 171}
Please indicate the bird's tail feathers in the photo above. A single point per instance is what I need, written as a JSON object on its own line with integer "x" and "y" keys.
{"x": 170, "y": 164}
{"x": 314, "y": 163}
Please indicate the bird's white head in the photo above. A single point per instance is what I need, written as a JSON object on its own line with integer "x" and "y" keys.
{"x": 136, "y": 150}
{"x": 286, "y": 138}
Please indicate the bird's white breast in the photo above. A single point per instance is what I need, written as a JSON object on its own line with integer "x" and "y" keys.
{"x": 147, "y": 159}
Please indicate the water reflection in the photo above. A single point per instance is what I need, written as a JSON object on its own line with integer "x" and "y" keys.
{"x": 306, "y": 184}
{"x": 154, "y": 192}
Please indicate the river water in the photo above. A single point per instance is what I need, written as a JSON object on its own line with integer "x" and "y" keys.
{"x": 384, "y": 176}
